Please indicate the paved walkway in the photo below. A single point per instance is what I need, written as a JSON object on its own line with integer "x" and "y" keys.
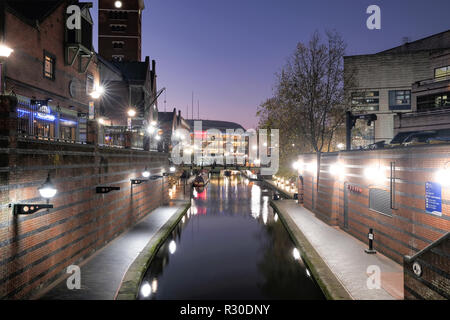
{"x": 102, "y": 274}
{"x": 345, "y": 256}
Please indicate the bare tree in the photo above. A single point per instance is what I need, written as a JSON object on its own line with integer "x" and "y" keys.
{"x": 310, "y": 91}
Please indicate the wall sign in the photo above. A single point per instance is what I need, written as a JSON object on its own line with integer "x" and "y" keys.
{"x": 354, "y": 189}
{"x": 91, "y": 110}
{"x": 433, "y": 198}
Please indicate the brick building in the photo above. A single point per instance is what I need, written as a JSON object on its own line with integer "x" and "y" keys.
{"x": 52, "y": 71}
{"x": 390, "y": 83}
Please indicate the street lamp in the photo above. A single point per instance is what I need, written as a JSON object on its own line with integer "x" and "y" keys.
{"x": 131, "y": 113}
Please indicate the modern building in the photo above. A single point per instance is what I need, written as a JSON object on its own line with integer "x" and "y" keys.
{"x": 120, "y": 29}
{"x": 52, "y": 71}
{"x": 220, "y": 140}
{"x": 391, "y": 82}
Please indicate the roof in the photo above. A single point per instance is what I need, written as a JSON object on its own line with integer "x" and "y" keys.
{"x": 134, "y": 70}
{"x": 216, "y": 124}
{"x": 32, "y": 11}
{"x": 166, "y": 116}
{"x": 439, "y": 41}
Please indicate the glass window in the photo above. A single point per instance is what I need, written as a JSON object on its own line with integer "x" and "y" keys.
{"x": 118, "y": 44}
{"x": 49, "y": 66}
{"x": 434, "y": 101}
{"x": 442, "y": 72}
{"x": 366, "y": 101}
{"x": 400, "y": 100}
{"x": 118, "y": 27}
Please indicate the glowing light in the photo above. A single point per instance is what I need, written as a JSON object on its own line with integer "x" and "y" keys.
{"x": 153, "y": 123}
{"x": 155, "y": 285}
{"x": 151, "y": 129}
{"x": 98, "y": 92}
{"x": 47, "y": 190}
{"x": 296, "y": 165}
{"x": 257, "y": 162}
{"x": 311, "y": 167}
{"x": 296, "y": 254}
{"x": 255, "y": 147}
{"x": 118, "y": 4}
{"x": 146, "y": 289}
{"x": 101, "y": 121}
{"x": 443, "y": 177}
{"x": 172, "y": 169}
{"x": 5, "y": 51}
{"x": 308, "y": 273}
{"x": 158, "y": 138}
{"x": 172, "y": 247}
{"x": 337, "y": 169}
{"x": 341, "y": 146}
{"x": 275, "y": 217}
{"x": 131, "y": 113}
{"x": 146, "y": 174}
{"x": 375, "y": 173}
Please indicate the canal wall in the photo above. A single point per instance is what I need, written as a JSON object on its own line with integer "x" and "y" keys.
{"x": 129, "y": 287}
{"x": 381, "y": 189}
{"x": 36, "y": 249}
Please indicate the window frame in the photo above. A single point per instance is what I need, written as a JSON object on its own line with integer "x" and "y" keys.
{"x": 447, "y": 73}
{"x": 393, "y": 97}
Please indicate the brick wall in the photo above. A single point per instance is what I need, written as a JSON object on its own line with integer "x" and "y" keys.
{"x": 433, "y": 282}
{"x": 344, "y": 201}
{"x": 36, "y": 249}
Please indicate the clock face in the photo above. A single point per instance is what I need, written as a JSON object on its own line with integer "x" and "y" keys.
{"x": 417, "y": 268}
{"x": 73, "y": 88}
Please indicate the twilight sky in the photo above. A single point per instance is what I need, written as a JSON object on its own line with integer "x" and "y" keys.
{"x": 227, "y": 51}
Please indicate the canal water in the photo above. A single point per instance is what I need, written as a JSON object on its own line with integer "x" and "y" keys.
{"x": 230, "y": 245}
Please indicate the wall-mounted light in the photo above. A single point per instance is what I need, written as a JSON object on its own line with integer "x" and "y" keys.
{"x": 47, "y": 191}
{"x": 118, "y": 4}
{"x": 98, "y": 92}
{"x": 5, "y": 51}
{"x": 106, "y": 189}
{"x": 146, "y": 173}
{"x": 172, "y": 169}
{"x": 337, "y": 169}
{"x": 443, "y": 175}
{"x": 158, "y": 138}
{"x": 311, "y": 167}
{"x": 138, "y": 181}
{"x": 375, "y": 173}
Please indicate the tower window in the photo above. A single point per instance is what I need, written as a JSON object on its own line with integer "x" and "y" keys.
{"x": 118, "y": 15}
{"x": 118, "y": 58}
{"x": 118, "y": 44}
{"x": 118, "y": 27}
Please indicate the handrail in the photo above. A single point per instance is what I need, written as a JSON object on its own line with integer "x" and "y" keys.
{"x": 428, "y": 248}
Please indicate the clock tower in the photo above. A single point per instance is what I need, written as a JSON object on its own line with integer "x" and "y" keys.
{"x": 120, "y": 29}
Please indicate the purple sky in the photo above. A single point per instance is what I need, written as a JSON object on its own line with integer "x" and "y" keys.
{"x": 227, "y": 51}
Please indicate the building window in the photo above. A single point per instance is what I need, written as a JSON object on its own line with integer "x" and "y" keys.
{"x": 118, "y": 44}
{"x": 118, "y": 15}
{"x": 118, "y": 27}
{"x": 380, "y": 201}
{"x": 89, "y": 84}
{"x": 442, "y": 72}
{"x": 399, "y": 100}
{"x": 433, "y": 101}
{"x": 366, "y": 101}
{"x": 49, "y": 66}
{"x": 118, "y": 58}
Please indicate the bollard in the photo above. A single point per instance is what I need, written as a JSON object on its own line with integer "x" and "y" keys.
{"x": 370, "y": 236}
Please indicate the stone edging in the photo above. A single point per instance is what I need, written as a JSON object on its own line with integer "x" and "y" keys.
{"x": 327, "y": 280}
{"x": 274, "y": 186}
{"x": 129, "y": 286}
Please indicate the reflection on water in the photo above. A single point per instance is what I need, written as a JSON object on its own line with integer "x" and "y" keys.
{"x": 229, "y": 245}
